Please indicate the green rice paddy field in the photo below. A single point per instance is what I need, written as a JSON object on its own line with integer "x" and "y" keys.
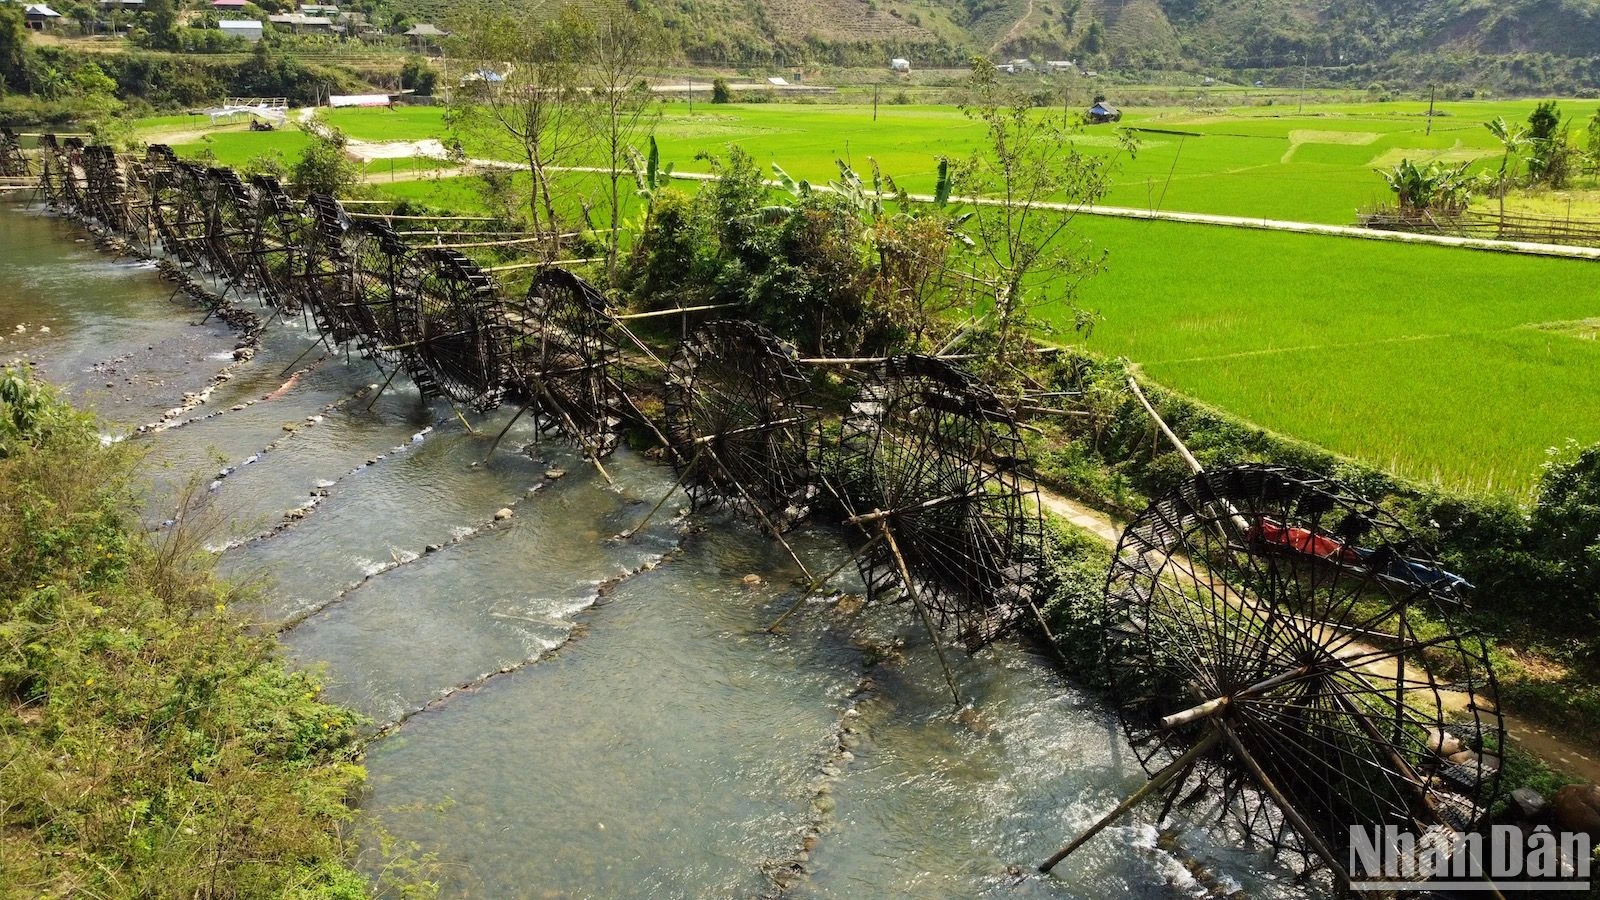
{"x": 1253, "y": 161}
{"x": 1442, "y": 364}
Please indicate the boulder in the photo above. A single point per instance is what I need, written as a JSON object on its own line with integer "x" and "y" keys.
{"x": 1528, "y": 805}
{"x": 502, "y": 514}
{"x": 1443, "y": 742}
{"x": 1577, "y": 808}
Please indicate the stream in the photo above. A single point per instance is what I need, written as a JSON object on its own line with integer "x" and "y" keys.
{"x": 564, "y": 713}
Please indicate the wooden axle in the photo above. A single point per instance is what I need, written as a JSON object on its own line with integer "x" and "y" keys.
{"x": 1218, "y": 705}
{"x": 880, "y": 514}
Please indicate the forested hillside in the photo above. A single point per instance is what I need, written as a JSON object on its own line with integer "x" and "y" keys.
{"x": 1350, "y": 35}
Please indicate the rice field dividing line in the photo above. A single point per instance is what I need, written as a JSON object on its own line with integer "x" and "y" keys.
{"x": 1528, "y": 248}
{"x": 1343, "y": 345}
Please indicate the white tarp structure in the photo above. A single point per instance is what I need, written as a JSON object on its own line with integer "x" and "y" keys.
{"x": 272, "y": 109}
{"x": 340, "y": 100}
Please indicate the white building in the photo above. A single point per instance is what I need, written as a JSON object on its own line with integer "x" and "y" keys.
{"x": 899, "y": 65}
{"x": 248, "y": 29}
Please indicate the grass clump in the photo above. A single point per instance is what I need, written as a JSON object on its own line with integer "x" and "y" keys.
{"x": 150, "y": 746}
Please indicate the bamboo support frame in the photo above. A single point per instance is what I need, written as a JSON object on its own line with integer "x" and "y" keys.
{"x": 922, "y": 611}
{"x": 1157, "y": 781}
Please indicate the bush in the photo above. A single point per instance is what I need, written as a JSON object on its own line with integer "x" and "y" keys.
{"x": 1071, "y": 589}
{"x": 416, "y": 75}
{"x": 1564, "y": 528}
{"x": 720, "y": 92}
{"x": 154, "y": 745}
{"x": 323, "y": 167}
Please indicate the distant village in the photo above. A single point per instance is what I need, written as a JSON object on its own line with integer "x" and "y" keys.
{"x": 240, "y": 19}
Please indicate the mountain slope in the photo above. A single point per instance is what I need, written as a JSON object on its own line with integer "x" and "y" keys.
{"x": 1121, "y": 34}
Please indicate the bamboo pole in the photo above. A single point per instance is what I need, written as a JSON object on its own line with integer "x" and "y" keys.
{"x": 630, "y": 317}
{"x": 395, "y": 218}
{"x": 682, "y": 477}
{"x": 512, "y": 267}
{"x": 385, "y": 387}
{"x": 1133, "y": 385}
{"x": 1157, "y": 781}
{"x": 501, "y": 436}
{"x": 773, "y": 529}
{"x": 922, "y": 611}
{"x": 1300, "y": 825}
{"x": 816, "y": 585}
{"x": 935, "y": 503}
{"x": 475, "y": 245}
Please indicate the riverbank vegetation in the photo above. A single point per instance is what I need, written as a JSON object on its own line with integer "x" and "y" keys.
{"x": 150, "y": 745}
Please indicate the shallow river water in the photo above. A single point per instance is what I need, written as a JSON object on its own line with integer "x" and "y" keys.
{"x": 572, "y": 714}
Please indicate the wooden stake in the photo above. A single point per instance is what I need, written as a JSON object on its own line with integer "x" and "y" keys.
{"x": 815, "y": 586}
{"x": 922, "y": 611}
{"x": 1157, "y": 781}
{"x": 682, "y": 477}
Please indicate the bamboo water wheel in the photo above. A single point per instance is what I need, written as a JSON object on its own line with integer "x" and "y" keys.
{"x": 231, "y": 227}
{"x": 54, "y": 172}
{"x": 737, "y": 415}
{"x": 13, "y": 162}
{"x": 324, "y": 280}
{"x": 565, "y": 358}
{"x": 928, "y": 474}
{"x": 106, "y": 198}
{"x": 371, "y": 262}
{"x": 73, "y": 181}
{"x": 180, "y": 209}
{"x": 455, "y": 339}
{"x": 1270, "y": 664}
{"x": 276, "y": 250}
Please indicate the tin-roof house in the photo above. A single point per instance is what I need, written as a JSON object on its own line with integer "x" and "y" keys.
{"x": 1103, "y": 112}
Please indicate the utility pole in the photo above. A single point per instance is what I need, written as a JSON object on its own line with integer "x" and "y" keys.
{"x": 874, "y": 101}
{"x": 1305, "y": 64}
{"x": 1433, "y": 90}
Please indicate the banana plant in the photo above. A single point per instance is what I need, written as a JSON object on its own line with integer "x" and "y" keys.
{"x": 648, "y": 173}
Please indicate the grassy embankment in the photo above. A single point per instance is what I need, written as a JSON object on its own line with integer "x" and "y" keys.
{"x": 150, "y": 746}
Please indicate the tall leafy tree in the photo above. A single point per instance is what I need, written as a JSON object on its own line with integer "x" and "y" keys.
{"x": 161, "y": 20}
{"x": 14, "y": 51}
{"x": 1513, "y": 139}
{"x": 523, "y": 96}
{"x": 1030, "y": 254}
{"x": 617, "y": 47}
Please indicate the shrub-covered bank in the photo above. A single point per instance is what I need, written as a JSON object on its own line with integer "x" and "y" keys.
{"x": 150, "y": 746}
